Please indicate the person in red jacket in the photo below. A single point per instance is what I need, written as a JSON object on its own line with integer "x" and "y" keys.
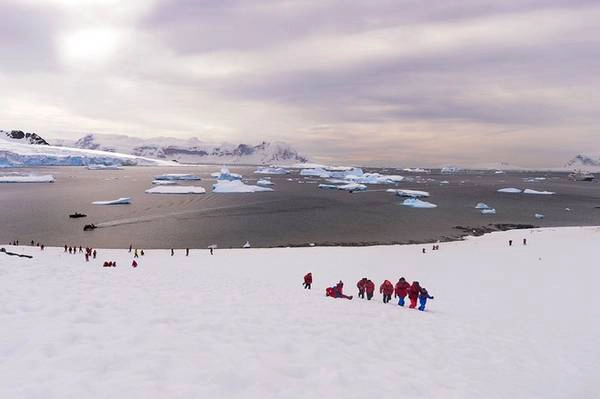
{"x": 361, "y": 287}
{"x": 134, "y": 263}
{"x": 401, "y": 290}
{"x": 413, "y": 294}
{"x": 369, "y": 289}
{"x": 308, "y": 281}
{"x": 337, "y": 291}
{"x": 387, "y": 289}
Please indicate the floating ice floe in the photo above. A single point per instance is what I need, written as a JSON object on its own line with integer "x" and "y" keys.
{"x": 237, "y": 186}
{"x": 417, "y": 203}
{"x": 481, "y": 205}
{"x": 225, "y": 174}
{"x": 568, "y": 209}
{"x": 169, "y": 189}
{"x": 271, "y": 171}
{"x": 488, "y": 211}
{"x": 408, "y": 193}
{"x": 336, "y": 172}
{"x": 27, "y": 179}
{"x": 446, "y": 170}
{"x": 353, "y": 187}
{"x": 444, "y": 182}
{"x": 416, "y": 170}
{"x": 104, "y": 167}
{"x": 318, "y": 172}
{"x": 510, "y": 190}
{"x": 530, "y": 191}
{"x": 328, "y": 186}
{"x": 539, "y": 216}
{"x": 499, "y": 172}
{"x": 120, "y": 201}
{"x": 375, "y": 178}
{"x": 164, "y": 182}
{"x": 177, "y": 176}
{"x": 246, "y": 245}
{"x": 264, "y": 182}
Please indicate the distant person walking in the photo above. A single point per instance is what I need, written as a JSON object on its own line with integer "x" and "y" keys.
{"x": 401, "y": 290}
{"x": 187, "y": 252}
{"x": 211, "y": 250}
{"x": 510, "y": 243}
{"x": 387, "y": 289}
{"x": 130, "y": 247}
{"x": 524, "y": 241}
{"x": 423, "y": 297}
{"x": 369, "y": 289}
{"x": 361, "y": 287}
{"x": 135, "y": 254}
{"x": 134, "y": 264}
{"x": 413, "y": 294}
{"x": 172, "y": 252}
{"x": 308, "y": 281}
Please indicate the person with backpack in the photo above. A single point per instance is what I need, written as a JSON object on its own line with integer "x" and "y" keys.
{"x": 413, "y": 294}
{"x": 387, "y": 289}
{"x": 401, "y": 290}
{"x": 369, "y": 289}
{"x": 308, "y": 281}
{"x": 361, "y": 287}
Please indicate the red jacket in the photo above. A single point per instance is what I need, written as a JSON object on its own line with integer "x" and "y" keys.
{"x": 387, "y": 288}
{"x": 361, "y": 284}
{"x": 308, "y": 278}
{"x": 369, "y": 287}
{"x": 414, "y": 290}
{"x": 402, "y": 288}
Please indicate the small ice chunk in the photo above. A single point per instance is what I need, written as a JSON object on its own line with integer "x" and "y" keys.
{"x": 353, "y": 187}
{"x": 417, "y": 203}
{"x": 177, "y": 176}
{"x": 530, "y": 191}
{"x": 489, "y": 211}
{"x": 539, "y": 216}
{"x": 410, "y": 193}
{"x": 510, "y": 190}
{"x": 328, "y": 186}
{"x": 264, "y": 182}
{"x": 176, "y": 190}
{"x": 481, "y": 205}
{"x": 120, "y": 201}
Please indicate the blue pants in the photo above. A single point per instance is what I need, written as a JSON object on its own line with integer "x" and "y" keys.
{"x": 401, "y": 301}
{"x": 422, "y": 301}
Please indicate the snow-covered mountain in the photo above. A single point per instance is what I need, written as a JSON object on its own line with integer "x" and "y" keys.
{"x": 190, "y": 150}
{"x": 22, "y": 137}
{"x": 585, "y": 162}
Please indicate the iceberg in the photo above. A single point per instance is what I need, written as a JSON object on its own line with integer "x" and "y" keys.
{"x": 271, "y": 171}
{"x": 481, "y": 205}
{"x": 177, "y": 176}
{"x": 408, "y": 193}
{"x": 374, "y": 178}
{"x": 416, "y": 170}
{"x": 120, "y": 201}
{"x": 351, "y": 187}
{"x": 490, "y": 211}
{"x": 237, "y": 186}
{"x": 530, "y": 191}
{"x": 27, "y": 179}
{"x": 327, "y": 186}
{"x": 176, "y": 190}
{"x": 510, "y": 190}
{"x": 539, "y": 216}
{"x": 317, "y": 172}
{"x": 417, "y": 203}
{"x": 104, "y": 167}
{"x": 264, "y": 182}
{"x": 225, "y": 174}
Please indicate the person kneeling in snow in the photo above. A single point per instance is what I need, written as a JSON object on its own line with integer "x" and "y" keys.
{"x": 401, "y": 290}
{"x": 423, "y": 297}
{"x": 307, "y": 281}
{"x": 387, "y": 289}
{"x": 369, "y": 289}
{"x": 413, "y": 294}
{"x": 337, "y": 291}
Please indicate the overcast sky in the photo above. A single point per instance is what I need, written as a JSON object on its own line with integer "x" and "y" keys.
{"x": 394, "y": 82}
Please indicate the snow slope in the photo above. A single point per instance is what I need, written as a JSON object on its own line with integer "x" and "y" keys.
{"x": 239, "y": 325}
{"x": 15, "y": 153}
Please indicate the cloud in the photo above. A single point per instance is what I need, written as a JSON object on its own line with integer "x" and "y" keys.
{"x": 383, "y": 82}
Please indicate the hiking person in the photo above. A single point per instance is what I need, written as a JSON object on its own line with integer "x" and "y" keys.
{"x": 134, "y": 263}
{"x": 130, "y": 247}
{"x": 172, "y": 252}
{"x": 142, "y": 252}
{"x": 105, "y": 264}
{"x": 423, "y": 297}
{"x": 87, "y": 257}
{"x": 65, "y": 247}
{"x": 401, "y": 290}
{"x": 413, "y": 294}
{"x": 510, "y": 243}
{"x": 369, "y": 289}
{"x": 524, "y": 241}
{"x": 361, "y": 287}
{"x": 387, "y": 289}
{"x": 211, "y": 250}
{"x": 337, "y": 291}
{"x": 135, "y": 254}
{"x": 423, "y": 250}
{"x": 94, "y": 254}
{"x": 187, "y": 252}
{"x": 308, "y": 281}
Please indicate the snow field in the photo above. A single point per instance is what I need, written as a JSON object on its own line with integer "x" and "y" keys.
{"x": 518, "y": 322}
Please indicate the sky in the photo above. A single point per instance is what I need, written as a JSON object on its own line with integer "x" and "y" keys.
{"x": 379, "y": 82}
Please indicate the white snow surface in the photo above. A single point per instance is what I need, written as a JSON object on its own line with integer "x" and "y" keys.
{"x": 27, "y": 178}
{"x": 119, "y": 201}
{"x": 239, "y": 325}
{"x": 177, "y": 176}
{"x": 169, "y": 189}
{"x": 530, "y": 191}
{"x": 510, "y": 190}
{"x": 237, "y": 186}
{"x": 417, "y": 203}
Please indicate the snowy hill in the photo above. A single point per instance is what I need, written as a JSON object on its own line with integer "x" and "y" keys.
{"x": 190, "y": 150}
{"x": 585, "y": 162}
{"x": 16, "y": 152}
{"x": 22, "y": 137}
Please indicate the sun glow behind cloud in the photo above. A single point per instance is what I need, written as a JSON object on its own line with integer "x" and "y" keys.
{"x": 89, "y": 47}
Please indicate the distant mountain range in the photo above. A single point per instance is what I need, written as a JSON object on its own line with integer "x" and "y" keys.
{"x": 20, "y": 136}
{"x": 190, "y": 150}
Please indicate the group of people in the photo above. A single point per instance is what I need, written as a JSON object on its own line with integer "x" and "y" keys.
{"x": 401, "y": 290}
{"x": 32, "y": 243}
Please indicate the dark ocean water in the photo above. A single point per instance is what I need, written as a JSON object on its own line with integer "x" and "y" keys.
{"x": 296, "y": 213}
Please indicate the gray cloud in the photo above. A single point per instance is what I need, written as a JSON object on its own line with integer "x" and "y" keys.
{"x": 396, "y": 82}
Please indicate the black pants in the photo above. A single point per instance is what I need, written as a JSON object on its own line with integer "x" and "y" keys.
{"x": 306, "y": 286}
{"x": 369, "y": 295}
{"x": 386, "y": 298}
{"x": 361, "y": 294}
